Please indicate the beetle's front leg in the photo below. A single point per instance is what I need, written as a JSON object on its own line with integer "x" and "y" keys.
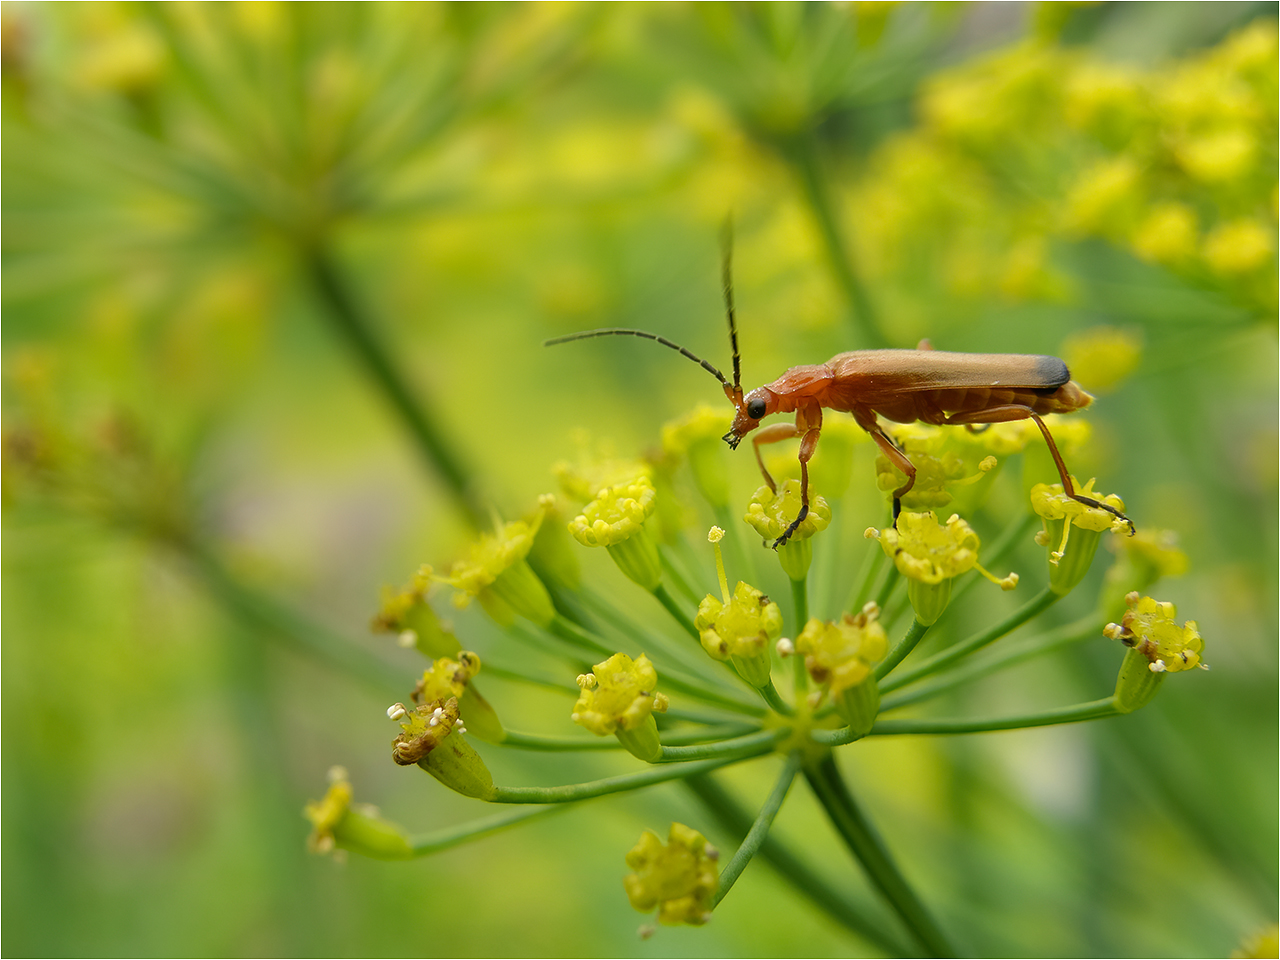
{"x": 772, "y": 434}
{"x": 807, "y": 447}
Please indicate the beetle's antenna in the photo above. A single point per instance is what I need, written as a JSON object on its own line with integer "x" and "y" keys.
{"x": 726, "y": 277}
{"x": 625, "y": 332}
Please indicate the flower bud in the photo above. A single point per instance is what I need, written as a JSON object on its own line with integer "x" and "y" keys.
{"x": 338, "y": 824}
{"x": 679, "y": 878}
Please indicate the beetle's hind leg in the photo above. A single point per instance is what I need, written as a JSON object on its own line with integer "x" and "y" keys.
{"x": 1016, "y": 411}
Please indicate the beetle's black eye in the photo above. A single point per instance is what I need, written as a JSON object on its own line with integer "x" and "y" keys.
{"x": 755, "y": 409}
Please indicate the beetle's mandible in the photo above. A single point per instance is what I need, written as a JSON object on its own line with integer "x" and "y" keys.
{"x": 904, "y": 386}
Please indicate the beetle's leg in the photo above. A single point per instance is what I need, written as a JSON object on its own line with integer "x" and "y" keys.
{"x": 977, "y": 428}
{"x": 896, "y": 457}
{"x": 1016, "y": 411}
{"x": 807, "y": 446}
{"x": 772, "y": 434}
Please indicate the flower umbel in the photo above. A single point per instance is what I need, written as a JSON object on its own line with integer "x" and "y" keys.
{"x": 678, "y": 877}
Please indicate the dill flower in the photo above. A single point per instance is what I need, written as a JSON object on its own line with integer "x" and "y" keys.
{"x": 1238, "y": 246}
{"x": 497, "y": 574}
{"x": 615, "y": 520}
{"x": 431, "y": 737}
{"x": 1070, "y": 560}
{"x": 770, "y": 513}
{"x": 930, "y": 555}
{"x": 1157, "y": 646}
{"x": 1167, "y": 234}
{"x": 740, "y": 629}
{"x": 840, "y": 656}
{"x": 619, "y": 696}
{"x": 447, "y": 678}
{"x": 679, "y": 877}
{"x": 338, "y": 824}
{"x": 408, "y": 615}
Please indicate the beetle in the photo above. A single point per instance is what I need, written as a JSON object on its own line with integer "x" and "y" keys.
{"x": 931, "y": 386}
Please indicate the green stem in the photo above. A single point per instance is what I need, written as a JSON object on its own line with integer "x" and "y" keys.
{"x": 890, "y": 581}
{"x": 1082, "y": 629}
{"x": 533, "y": 741}
{"x": 800, "y": 602}
{"x": 737, "y": 748}
{"x": 774, "y": 699}
{"x": 804, "y": 153}
{"x": 867, "y": 576}
{"x": 677, "y": 578}
{"x": 856, "y": 917}
{"x": 523, "y": 676}
{"x": 1094, "y": 710}
{"x": 865, "y": 843}
{"x": 349, "y": 320}
{"x": 915, "y": 633}
{"x": 759, "y": 831}
{"x": 570, "y": 632}
{"x": 1032, "y": 608}
{"x": 599, "y": 788}
{"x": 677, "y": 614}
{"x": 425, "y": 844}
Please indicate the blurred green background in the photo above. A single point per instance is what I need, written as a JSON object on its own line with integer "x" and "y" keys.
{"x": 209, "y": 210}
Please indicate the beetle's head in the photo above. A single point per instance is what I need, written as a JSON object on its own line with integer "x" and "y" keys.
{"x": 751, "y": 409}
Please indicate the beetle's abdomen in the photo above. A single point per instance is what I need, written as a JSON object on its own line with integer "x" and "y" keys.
{"x": 933, "y": 406}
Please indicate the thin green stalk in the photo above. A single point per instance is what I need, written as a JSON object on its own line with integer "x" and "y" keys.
{"x": 425, "y": 844}
{"x": 1030, "y": 609}
{"x": 890, "y": 581}
{"x": 800, "y": 602}
{"x": 677, "y": 614}
{"x": 523, "y": 676}
{"x": 857, "y": 917}
{"x": 533, "y": 741}
{"x": 804, "y": 153}
{"x": 1082, "y": 629}
{"x": 570, "y": 632}
{"x": 752, "y": 745}
{"x": 572, "y": 792}
{"x": 677, "y": 578}
{"x": 865, "y": 843}
{"x": 1094, "y": 710}
{"x": 759, "y": 831}
{"x": 774, "y": 699}
{"x": 866, "y": 577}
{"x": 915, "y": 633}
{"x": 348, "y": 319}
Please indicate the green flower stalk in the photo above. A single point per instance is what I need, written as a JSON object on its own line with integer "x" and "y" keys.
{"x": 930, "y": 555}
{"x": 739, "y": 628}
{"x": 770, "y": 512}
{"x": 1157, "y": 646}
{"x": 619, "y": 697}
{"x": 841, "y": 656}
{"x": 1070, "y": 557}
{"x": 697, "y": 438}
{"x": 446, "y": 679}
{"x": 408, "y": 615}
{"x": 679, "y": 877}
{"x": 497, "y": 574}
{"x": 339, "y": 825}
{"x": 615, "y": 520}
{"x": 432, "y": 738}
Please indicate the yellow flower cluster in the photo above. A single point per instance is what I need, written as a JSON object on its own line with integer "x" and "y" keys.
{"x": 619, "y": 693}
{"x": 678, "y": 877}
{"x": 490, "y": 557}
{"x": 840, "y": 655}
{"x": 928, "y": 551}
{"x": 770, "y": 513}
{"x": 616, "y": 514}
{"x": 1150, "y": 627}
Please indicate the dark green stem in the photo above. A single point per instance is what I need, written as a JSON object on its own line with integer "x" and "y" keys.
{"x": 774, "y": 699}
{"x": 425, "y": 844}
{"x": 915, "y": 633}
{"x": 890, "y": 581}
{"x": 861, "y": 838}
{"x": 858, "y": 918}
{"x": 599, "y": 788}
{"x": 570, "y": 632}
{"x": 759, "y": 831}
{"x": 1094, "y": 710}
{"x": 1082, "y": 629}
{"x": 737, "y": 748}
{"x": 1032, "y": 608}
{"x": 867, "y": 576}
{"x": 349, "y": 320}
{"x": 800, "y": 602}
{"x": 677, "y": 614}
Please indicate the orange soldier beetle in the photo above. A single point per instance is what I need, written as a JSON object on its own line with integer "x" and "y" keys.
{"x": 904, "y": 386}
